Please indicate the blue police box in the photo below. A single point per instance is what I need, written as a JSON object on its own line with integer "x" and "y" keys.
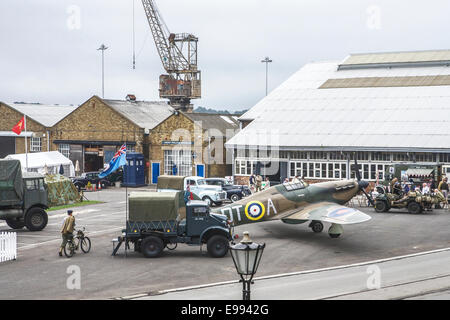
{"x": 134, "y": 171}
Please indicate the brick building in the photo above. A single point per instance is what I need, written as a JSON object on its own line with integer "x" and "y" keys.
{"x": 190, "y": 141}
{"x": 92, "y": 133}
{"x": 40, "y": 120}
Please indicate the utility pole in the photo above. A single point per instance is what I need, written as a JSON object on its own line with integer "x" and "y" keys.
{"x": 267, "y": 61}
{"x": 103, "y": 48}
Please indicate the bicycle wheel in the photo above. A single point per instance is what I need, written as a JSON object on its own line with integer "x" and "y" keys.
{"x": 69, "y": 249}
{"x": 85, "y": 244}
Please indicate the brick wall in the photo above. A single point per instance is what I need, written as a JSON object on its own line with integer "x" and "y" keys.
{"x": 170, "y": 130}
{"x": 10, "y": 117}
{"x": 95, "y": 121}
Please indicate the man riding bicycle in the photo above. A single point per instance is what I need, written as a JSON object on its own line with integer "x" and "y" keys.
{"x": 67, "y": 230}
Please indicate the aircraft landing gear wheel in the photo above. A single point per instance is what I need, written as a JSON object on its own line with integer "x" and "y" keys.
{"x": 414, "y": 208}
{"x": 316, "y": 226}
{"x": 334, "y": 236}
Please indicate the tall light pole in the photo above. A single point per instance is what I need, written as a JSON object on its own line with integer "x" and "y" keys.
{"x": 103, "y": 48}
{"x": 267, "y": 61}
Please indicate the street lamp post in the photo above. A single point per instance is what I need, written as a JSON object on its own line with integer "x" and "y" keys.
{"x": 103, "y": 48}
{"x": 246, "y": 257}
{"x": 267, "y": 61}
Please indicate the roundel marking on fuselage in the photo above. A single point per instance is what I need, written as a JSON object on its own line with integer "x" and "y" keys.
{"x": 255, "y": 210}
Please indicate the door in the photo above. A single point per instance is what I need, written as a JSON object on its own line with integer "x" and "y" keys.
{"x": 155, "y": 172}
{"x": 200, "y": 170}
{"x": 198, "y": 221}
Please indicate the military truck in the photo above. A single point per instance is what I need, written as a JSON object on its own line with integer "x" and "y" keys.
{"x": 23, "y": 198}
{"x": 414, "y": 201}
{"x": 159, "y": 220}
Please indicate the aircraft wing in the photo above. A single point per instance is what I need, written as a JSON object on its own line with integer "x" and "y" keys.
{"x": 327, "y": 212}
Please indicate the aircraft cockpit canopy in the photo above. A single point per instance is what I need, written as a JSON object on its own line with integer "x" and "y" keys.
{"x": 294, "y": 186}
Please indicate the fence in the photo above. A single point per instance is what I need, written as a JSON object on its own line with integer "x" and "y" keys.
{"x": 8, "y": 246}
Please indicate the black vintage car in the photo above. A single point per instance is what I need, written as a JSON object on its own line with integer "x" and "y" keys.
{"x": 92, "y": 177}
{"x": 234, "y": 192}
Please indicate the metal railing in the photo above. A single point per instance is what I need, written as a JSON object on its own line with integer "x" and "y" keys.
{"x": 8, "y": 246}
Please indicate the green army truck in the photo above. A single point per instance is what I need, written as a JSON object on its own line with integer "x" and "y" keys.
{"x": 23, "y": 198}
{"x": 159, "y": 220}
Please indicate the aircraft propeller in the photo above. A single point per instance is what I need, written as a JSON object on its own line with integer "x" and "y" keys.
{"x": 362, "y": 184}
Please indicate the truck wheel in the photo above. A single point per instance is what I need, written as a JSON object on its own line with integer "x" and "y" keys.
{"x": 152, "y": 247}
{"x": 15, "y": 224}
{"x": 217, "y": 246}
{"x": 380, "y": 206}
{"x": 414, "y": 208}
{"x": 235, "y": 198}
{"x": 208, "y": 201}
{"x": 36, "y": 219}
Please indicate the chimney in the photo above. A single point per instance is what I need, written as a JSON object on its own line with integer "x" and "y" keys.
{"x": 131, "y": 97}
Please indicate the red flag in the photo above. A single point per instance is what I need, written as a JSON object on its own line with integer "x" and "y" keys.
{"x": 19, "y": 126}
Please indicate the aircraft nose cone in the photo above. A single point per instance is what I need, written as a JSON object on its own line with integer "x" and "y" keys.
{"x": 363, "y": 184}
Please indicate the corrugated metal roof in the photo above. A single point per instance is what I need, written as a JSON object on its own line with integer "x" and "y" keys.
{"x": 47, "y": 115}
{"x": 397, "y": 58}
{"x": 300, "y": 115}
{"x": 222, "y": 122}
{"x": 145, "y": 114}
{"x": 368, "y": 82}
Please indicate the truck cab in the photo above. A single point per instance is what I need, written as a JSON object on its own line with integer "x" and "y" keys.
{"x": 197, "y": 185}
{"x": 23, "y": 197}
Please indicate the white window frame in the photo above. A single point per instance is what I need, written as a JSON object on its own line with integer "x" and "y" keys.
{"x": 64, "y": 149}
{"x": 35, "y": 144}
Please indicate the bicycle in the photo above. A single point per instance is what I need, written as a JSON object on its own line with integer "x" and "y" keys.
{"x": 79, "y": 241}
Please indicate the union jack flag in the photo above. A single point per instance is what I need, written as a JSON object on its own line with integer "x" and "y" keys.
{"x": 121, "y": 151}
{"x": 119, "y": 160}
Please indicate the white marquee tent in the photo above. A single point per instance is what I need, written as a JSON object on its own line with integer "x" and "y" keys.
{"x": 45, "y": 162}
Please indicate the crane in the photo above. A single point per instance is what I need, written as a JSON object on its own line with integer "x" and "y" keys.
{"x": 178, "y": 53}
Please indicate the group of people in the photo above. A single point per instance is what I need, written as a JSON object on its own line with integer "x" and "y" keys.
{"x": 424, "y": 188}
{"x": 257, "y": 184}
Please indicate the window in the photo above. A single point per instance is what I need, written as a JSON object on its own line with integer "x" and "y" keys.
{"x": 35, "y": 144}
{"x": 181, "y": 158}
{"x": 64, "y": 149}
{"x": 32, "y": 184}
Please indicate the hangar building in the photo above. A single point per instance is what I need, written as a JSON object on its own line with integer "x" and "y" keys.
{"x": 383, "y": 108}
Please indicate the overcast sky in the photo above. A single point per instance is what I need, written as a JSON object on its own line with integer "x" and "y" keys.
{"x": 48, "y": 52}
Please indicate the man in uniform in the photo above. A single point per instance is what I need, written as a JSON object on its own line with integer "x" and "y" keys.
{"x": 258, "y": 183}
{"x": 443, "y": 187}
{"x": 67, "y": 230}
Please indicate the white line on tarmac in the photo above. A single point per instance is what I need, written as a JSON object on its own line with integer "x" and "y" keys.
{"x": 31, "y": 246}
{"x": 307, "y": 271}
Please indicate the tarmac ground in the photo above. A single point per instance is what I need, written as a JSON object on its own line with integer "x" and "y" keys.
{"x": 39, "y": 273}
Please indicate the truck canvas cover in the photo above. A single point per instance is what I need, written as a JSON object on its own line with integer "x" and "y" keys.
{"x": 171, "y": 182}
{"x": 156, "y": 206}
{"x": 11, "y": 183}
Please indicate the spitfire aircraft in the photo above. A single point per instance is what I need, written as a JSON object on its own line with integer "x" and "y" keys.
{"x": 297, "y": 203}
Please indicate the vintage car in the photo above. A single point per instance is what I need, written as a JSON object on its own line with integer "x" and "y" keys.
{"x": 197, "y": 185}
{"x": 234, "y": 192}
